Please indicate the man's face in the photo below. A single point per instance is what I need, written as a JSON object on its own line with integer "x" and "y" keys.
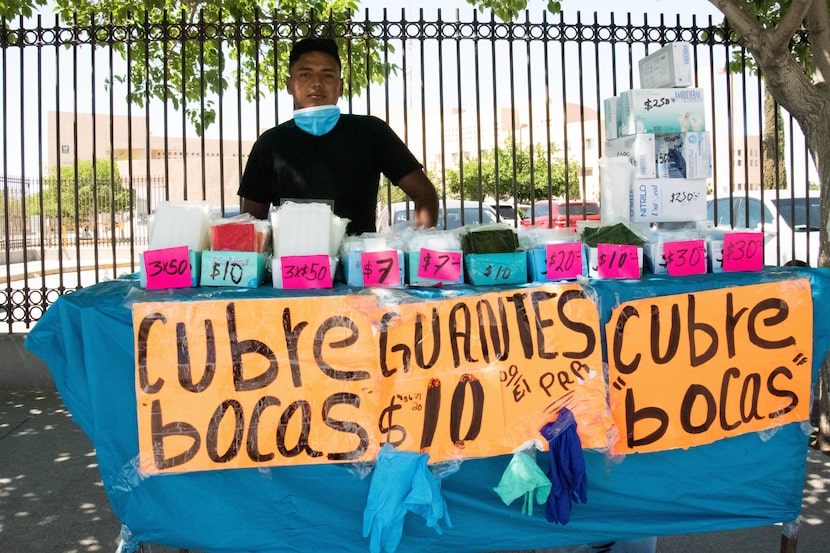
{"x": 315, "y": 81}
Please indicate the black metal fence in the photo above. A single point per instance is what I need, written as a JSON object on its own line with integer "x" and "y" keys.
{"x": 83, "y": 167}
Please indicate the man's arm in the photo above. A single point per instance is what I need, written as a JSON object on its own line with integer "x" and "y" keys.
{"x": 257, "y": 209}
{"x": 418, "y": 187}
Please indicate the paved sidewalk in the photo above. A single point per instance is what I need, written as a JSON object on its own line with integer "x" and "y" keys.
{"x": 52, "y": 499}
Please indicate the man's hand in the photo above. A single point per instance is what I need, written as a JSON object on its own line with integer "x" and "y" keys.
{"x": 418, "y": 187}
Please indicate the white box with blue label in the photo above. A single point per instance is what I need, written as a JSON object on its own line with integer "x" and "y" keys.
{"x": 668, "y": 200}
{"x": 354, "y": 271}
{"x": 593, "y": 261}
{"x": 677, "y": 155}
{"x": 195, "y": 267}
{"x": 314, "y": 275}
{"x": 661, "y": 110}
{"x": 413, "y": 261}
{"x": 640, "y": 151}
{"x": 668, "y": 67}
{"x": 537, "y": 263}
{"x": 483, "y": 269}
{"x": 611, "y": 117}
{"x": 236, "y": 269}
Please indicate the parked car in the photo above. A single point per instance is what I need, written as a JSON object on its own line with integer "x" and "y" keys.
{"x": 402, "y": 212}
{"x": 560, "y": 214}
{"x": 790, "y": 224}
{"x": 510, "y": 214}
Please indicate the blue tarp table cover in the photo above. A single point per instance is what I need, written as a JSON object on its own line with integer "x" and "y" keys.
{"x": 86, "y": 340}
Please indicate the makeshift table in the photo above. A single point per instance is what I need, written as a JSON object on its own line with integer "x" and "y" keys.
{"x": 87, "y": 339}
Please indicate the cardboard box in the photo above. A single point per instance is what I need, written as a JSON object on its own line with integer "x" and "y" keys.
{"x": 668, "y": 200}
{"x": 195, "y": 267}
{"x": 412, "y": 262}
{"x": 353, "y": 270}
{"x": 482, "y": 269}
{"x": 661, "y": 110}
{"x": 665, "y": 155}
{"x": 668, "y": 67}
{"x": 237, "y": 269}
{"x": 611, "y": 117}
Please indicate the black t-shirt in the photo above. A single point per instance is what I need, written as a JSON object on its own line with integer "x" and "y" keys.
{"x": 343, "y": 165}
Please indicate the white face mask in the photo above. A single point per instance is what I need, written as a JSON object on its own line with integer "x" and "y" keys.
{"x": 317, "y": 120}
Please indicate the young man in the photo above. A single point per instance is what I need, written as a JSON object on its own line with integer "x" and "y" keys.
{"x": 321, "y": 154}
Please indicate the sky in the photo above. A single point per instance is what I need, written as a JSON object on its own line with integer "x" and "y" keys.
{"x": 653, "y": 8}
{"x": 535, "y": 8}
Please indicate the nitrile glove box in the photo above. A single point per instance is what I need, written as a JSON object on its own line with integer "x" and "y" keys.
{"x": 353, "y": 271}
{"x": 640, "y": 151}
{"x": 667, "y": 200}
{"x": 611, "y": 117}
{"x": 195, "y": 266}
{"x": 684, "y": 155}
{"x": 413, "y": 261}
{"x": 236, "y": 269}
{"x": 668, "y": 67}
{"x": 482, "y": 269}
{"x": 714, "y": 252}
{"x": 661, "y": 110}
{"x": 655, "y": 259}
{"x": 537, "y": 262}
{"x": 665, "y": 155}
{"x": 593, "y": 261}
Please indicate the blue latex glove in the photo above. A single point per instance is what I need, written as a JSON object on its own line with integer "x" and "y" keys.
{"x": 127, "y": 542}
{"x": 391, "y": 484}
{"x": 523, "y": 478}
{"x": 567, "y": 475}
{"x": 425, "y": 497}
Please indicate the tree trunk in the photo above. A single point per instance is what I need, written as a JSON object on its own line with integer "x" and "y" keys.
{"x": 775, "y": 170}
{"x": 817, "y": 132}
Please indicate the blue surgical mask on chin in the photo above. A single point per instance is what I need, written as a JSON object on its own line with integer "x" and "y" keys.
{"x": 317, "y": 120}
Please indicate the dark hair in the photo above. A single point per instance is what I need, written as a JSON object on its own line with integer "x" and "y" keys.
{"x": 314, "y": 44}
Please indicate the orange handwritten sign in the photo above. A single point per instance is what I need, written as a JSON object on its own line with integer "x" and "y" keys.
{"x": 690, "y": 369}
{"x": 289, "y": 381}
{"x": 479, "y": 376}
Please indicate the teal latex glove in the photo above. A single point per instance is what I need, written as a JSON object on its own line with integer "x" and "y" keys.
{"x": 392, "y": 481}
{"x": 567, "y": 474}
{"x": 425, "y": 497}
{"x": 523, "y": 478}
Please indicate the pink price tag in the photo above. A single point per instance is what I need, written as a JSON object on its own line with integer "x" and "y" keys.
{"x": 686, "y": 257}
{"x": 381, "y": 268}
{"x": 439, "y": 265}
{"x": 167, "y": 268}
{"x": 743, "y": 251}
{"x": 305, "y": 271}
{"x": 617, "y": 261}
{"x": 563, "y": 260}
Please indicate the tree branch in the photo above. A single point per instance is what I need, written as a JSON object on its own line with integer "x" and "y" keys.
{"x": 789, "y": 23}
{"x": 743, "y": 21}
{"x": 818, "y": 24}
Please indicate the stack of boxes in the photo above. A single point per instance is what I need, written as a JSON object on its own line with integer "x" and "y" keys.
{"x": 661, "y": 128}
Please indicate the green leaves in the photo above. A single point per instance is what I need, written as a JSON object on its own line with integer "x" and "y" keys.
{"x": 10, "y": 9}
{"x": 497, "y": 178}
{"x": 186, "y": 52}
